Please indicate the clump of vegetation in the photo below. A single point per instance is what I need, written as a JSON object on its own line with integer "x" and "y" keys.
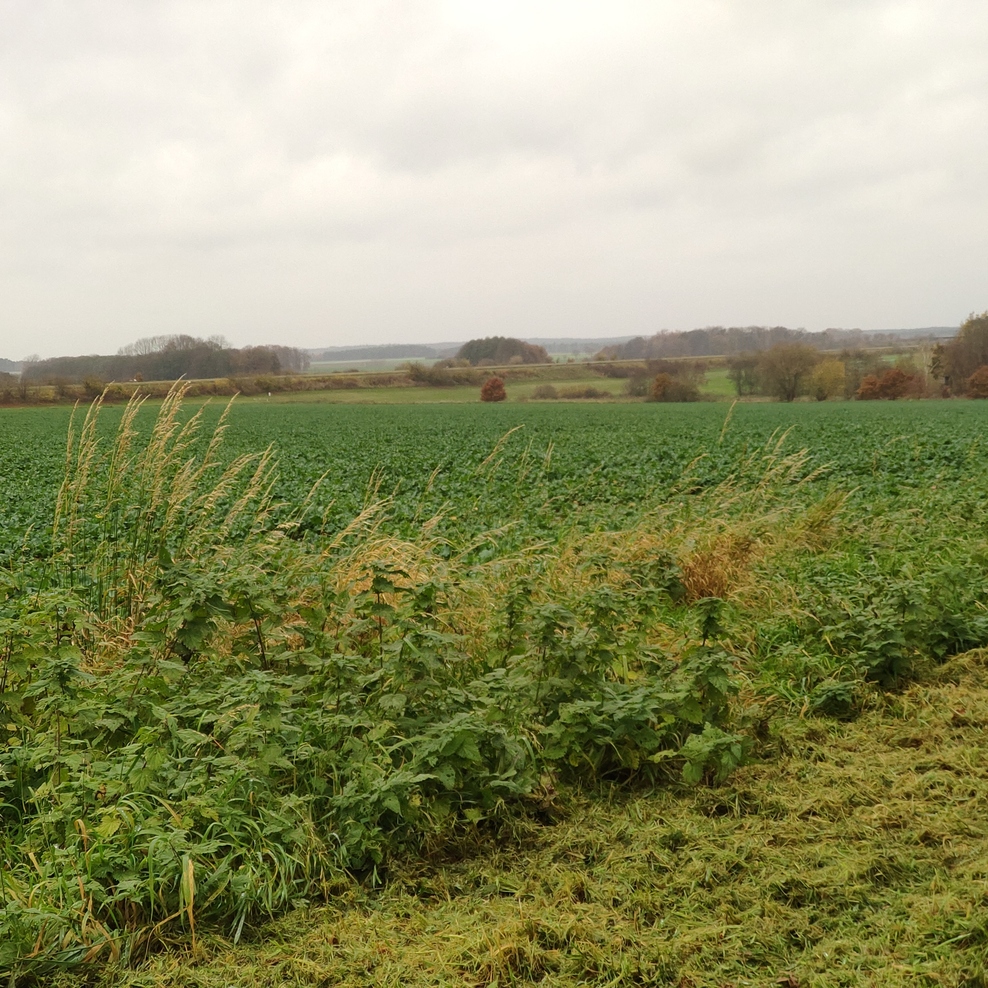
{"x": 641, "y": 377}
{"x": 665, "y": 387}
{"x": 442, "y": 374}
{"x": 977, "y": 383}
{"x": 638, "y": 385}
{"x": 544, "y": 392}
{"x": 742, "y": 372}
{"x": 496, "y": 351}
{"x": 846, "y": 854}
{"x": 784, "y": 369}
{"x": 966, "y": 352}
{"x": 493, "y": 390}
{"x": 207, "y": 719}
{"x": 894, "y": 383}
{"x": 828, "y": 379}
{"x": 8, "y": 387}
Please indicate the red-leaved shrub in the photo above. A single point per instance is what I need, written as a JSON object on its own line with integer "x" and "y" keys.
{"x": 493, "y": 390}
{"x": 977, "y": 383}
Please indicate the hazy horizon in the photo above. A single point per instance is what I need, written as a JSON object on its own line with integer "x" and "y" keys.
{"x": 599, "y": 341}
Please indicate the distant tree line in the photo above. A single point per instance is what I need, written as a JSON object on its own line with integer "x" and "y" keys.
{"x": 496, "y": 351}
{"x": 720, "y": 341}
{"x": 466, "y": 367}
{"x": 965, "y": 357}
{"x": 168, "y": 358}
{"x": 786, "y": 364}
{"x": 786, "y": 371}
{"x": 790, "y": 370}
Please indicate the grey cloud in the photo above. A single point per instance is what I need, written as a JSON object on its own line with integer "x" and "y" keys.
{"x": 681, "y": 163}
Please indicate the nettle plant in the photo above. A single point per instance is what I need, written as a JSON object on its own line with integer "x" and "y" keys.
{"x": 881, "y": 625}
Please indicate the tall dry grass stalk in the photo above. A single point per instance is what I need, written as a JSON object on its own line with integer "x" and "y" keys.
{"x": 719, "y": 534}
{"x": 126, "y": 506}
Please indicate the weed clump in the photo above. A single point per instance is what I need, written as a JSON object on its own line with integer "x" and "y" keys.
{"x": 544, "y": 392}
{"x": 828, "y": 862}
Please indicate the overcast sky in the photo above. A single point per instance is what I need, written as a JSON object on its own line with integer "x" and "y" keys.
{"x": 327, "y": 172}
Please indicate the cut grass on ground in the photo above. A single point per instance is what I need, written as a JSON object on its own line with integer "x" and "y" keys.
{"x": 847, "y": 855}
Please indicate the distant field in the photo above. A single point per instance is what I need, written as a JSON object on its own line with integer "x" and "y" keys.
{"x": 383, "y": 382}
{"x": 458, "y": 394}
{"x": 363, "y": 366}
{"x": 562, "y": 376}
{"x": 331, "y": 366}
{"x": 718, "y": 384}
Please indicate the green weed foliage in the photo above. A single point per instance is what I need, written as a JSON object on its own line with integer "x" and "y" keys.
{"x": 851, "y": 856}
{"x": 229, "y": 688}
{"x": 207, "y": 719}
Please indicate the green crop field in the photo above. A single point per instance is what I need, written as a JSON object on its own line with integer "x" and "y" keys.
{"x": 536, "y": 692}
{"x": 612, "y": 462}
